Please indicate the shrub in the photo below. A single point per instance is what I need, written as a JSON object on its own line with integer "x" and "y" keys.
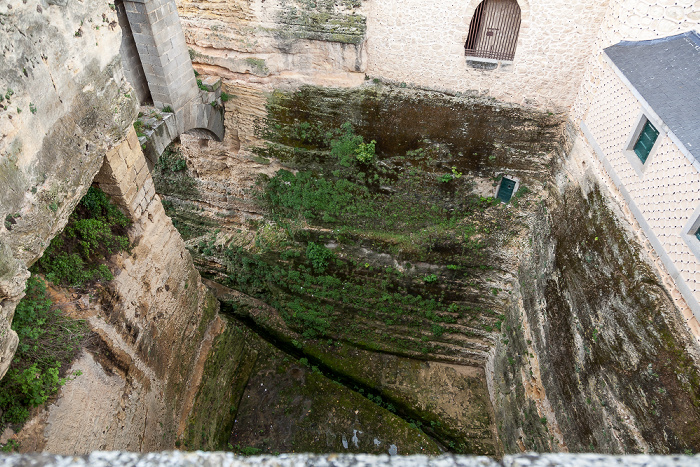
{"x": 48, "y": 342}
{"x": 95, "y": 230}
{"x": 344, "y": 148}
{"x": 319, "y": 256}
{"x": 365, "y": 152}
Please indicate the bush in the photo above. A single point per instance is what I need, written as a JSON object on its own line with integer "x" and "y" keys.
{"x": 319, "y": 256}
{"x": 95, "y": 231}
{"x": 365, "y": 152}
{"x": 48, "y": 342}
{"x": 348, "y": 147}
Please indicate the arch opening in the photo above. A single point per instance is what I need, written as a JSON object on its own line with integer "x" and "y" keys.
{"x": 493, "y": 30}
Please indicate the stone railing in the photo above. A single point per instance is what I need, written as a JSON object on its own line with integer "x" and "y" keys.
{"x": 216, "y": 459}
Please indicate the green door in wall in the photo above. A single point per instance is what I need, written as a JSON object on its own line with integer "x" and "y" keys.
{"x": 505, "y": 191}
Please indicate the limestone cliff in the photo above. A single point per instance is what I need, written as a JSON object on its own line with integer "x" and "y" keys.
{"x": 278, "y": 41}
{"x": 558, "y": 314}
{"x": 64, "y": 103}
{"x": 65, "y": 123}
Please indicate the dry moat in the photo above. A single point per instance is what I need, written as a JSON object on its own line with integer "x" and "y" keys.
{"x": 380, "y": 299}
{"x": 374, "y": 293}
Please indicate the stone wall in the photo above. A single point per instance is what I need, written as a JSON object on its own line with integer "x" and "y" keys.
{"x": 65, "y": 102}
{"x": 665, "y": 198}
{"x": 422, "y": 43}
{"x": 609, "y": 110}
{"x": 155, "y": 324}
{"x": 161, "y": 46}
{"x": 215, "y": 459}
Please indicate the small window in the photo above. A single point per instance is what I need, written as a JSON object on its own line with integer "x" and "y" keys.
{"x": 493, "y": 31}
{"x": 646, "y": 141}
{"x": 691, "y": 233}
{"x": 643, "y": 142}
{"x": 506, "y": 189}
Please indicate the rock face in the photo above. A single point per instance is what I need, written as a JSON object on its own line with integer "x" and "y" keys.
{"x": 65, "y": 102}
{"x": 155, "y": 324}
{"x": 569, "y": 368}
{"x": 65, "y": 122}
{"x": 279, "y": 40}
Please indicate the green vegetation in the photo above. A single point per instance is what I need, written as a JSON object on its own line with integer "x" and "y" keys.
{"x": 347, "y": 195}
{"x": 170, "y": 175}
{"x": 48, "y": 343}
{"x": 95, "y": 231}
{"x": 139, "y": 127}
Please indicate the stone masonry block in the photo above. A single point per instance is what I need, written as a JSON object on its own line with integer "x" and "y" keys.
{"x": 212, "y": 83}
{"x": 110, "y": 189}
{"x": 143, "y": 39}
{"x": 149, "y": 187}
{"x": 140, "y": 164}
{"x": 136, "y": 200}
{"x": 133, "y": 141}
{"x": 134, "y": 7}
{"x": 129, "y": 194}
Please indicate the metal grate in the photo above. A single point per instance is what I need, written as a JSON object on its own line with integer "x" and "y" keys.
{"x": 493, "y": 31}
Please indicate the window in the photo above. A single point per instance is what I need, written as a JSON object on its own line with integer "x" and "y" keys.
{"x": 506, "y": 189}
{"x": 643, "y": 142}
{"x": 691, "y": 233}
{"x": 646, "y": 141}
{"x": 493, "y": 31}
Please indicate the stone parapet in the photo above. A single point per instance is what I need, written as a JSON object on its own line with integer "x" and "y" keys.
{"x": 216, "y": 459}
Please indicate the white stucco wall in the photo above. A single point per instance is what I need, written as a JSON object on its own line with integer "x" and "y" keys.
{"x": 422, "y": 42}
{"x": 669, "y": 191}
{"x": 666, "y": 195}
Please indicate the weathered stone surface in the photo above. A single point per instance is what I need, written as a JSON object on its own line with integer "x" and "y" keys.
{"x": 155, "y": 324}
{"x": 285, "y": 41}
{"x": 218, "y": 459}
{"x": 64, "y": 103}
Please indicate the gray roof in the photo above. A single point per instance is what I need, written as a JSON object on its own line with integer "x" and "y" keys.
{"x": 666, "y": 73}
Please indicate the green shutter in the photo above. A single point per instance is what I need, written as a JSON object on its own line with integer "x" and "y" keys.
{"x": 505, "y": 191}
{"x": 697, "y": 234}
{"x": 646, "y": 141}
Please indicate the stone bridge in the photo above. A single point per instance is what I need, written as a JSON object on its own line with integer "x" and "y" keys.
{"x": 157, "y": 63}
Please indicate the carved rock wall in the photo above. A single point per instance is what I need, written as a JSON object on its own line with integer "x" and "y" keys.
{"x": 65, "y": 102}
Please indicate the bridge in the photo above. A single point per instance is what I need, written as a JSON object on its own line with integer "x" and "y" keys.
{"x": 157, "y": 64}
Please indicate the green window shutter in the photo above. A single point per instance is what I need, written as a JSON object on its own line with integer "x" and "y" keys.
{"x": 505, "y": 191}
{"x": 697, "y": 234}
{"x": 646, "y": 141}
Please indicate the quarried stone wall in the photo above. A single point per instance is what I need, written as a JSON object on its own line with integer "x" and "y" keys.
{"x": 155, "y": 324}
{"x": 64, "y": 101}
{"x": 278, "y": 41}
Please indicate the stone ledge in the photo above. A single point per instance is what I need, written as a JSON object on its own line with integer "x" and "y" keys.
{"x": 215, "y": 459}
